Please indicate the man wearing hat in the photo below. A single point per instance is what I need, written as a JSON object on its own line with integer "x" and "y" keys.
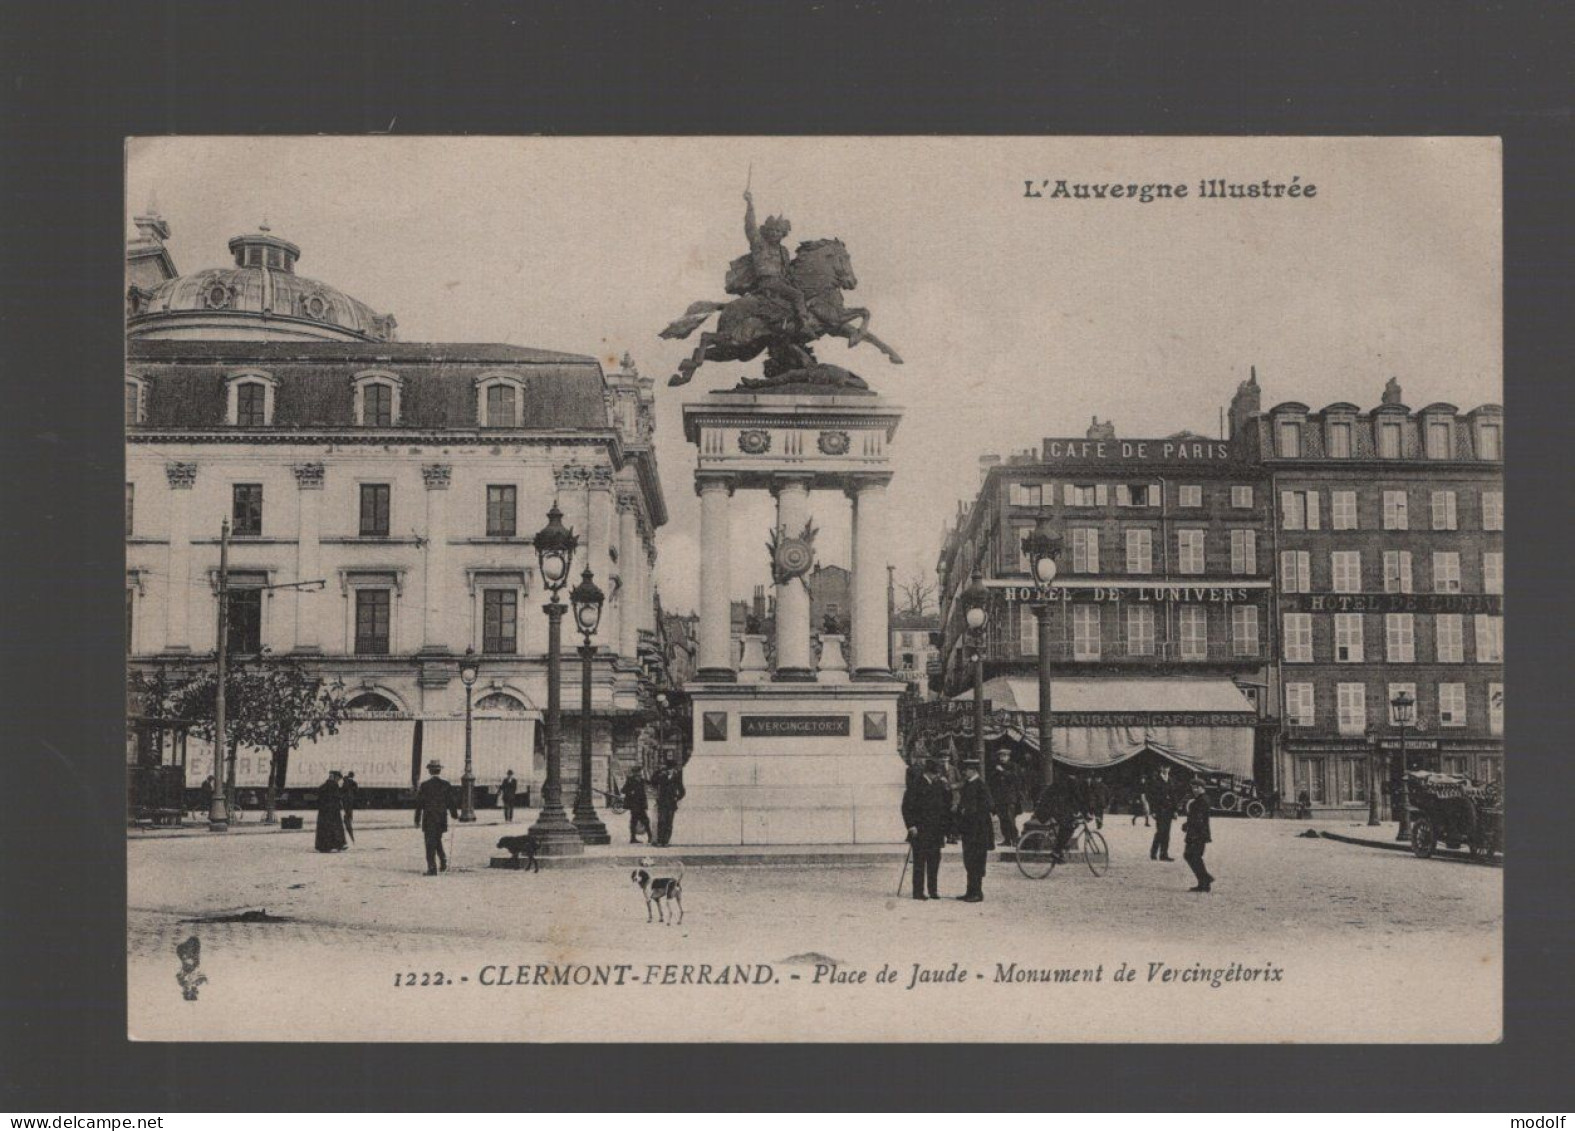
{"x": 330, "y": 815}
{"x": 434, "y": 806}
{"x": 973, "y": 824}
{"x": 506, "y": 794}
{"x": 347, "y": 790}
{"x": 926, "y": 811}
{"x": 1196, "y": 831}
{"x": 669, "y": 792}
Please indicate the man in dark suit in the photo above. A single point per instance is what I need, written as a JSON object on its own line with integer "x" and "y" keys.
{"x": 1005, "y": 792}
{"x": 669, "y": 792}
{"x": 638, "y": 804}
{"x": 434, "y": 806}
{"x": 507, "y": 790}
{"x": 347, "y": 794}
{"x": 973, "y": 825}
{"x": 1196, "y": 830}
{"x": 926, "y": 811}
{"x": 1162, "y": 799}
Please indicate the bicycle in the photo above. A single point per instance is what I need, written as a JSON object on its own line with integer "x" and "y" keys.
{"x": 1037, "y": 857}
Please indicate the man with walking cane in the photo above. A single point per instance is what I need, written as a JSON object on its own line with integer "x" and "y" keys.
{"x": 926, "y": 811}
{"x": 434, "y": 806}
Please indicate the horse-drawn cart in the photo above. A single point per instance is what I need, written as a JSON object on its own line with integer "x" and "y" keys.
{"x": 1451, "y": 809}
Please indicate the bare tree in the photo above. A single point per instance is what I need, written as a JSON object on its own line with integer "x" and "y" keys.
{"x": 917, "y": 592}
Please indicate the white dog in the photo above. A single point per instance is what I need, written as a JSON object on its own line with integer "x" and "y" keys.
{"x": 660, "y": 889}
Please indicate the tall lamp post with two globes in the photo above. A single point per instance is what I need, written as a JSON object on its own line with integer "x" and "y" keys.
{"x": 555, "y": 545}
{"x": 1042, "y": 549}
{"x": 468, "y": 670}
{"x": 1402, "y": 712}
{"x": 587, "y": 599}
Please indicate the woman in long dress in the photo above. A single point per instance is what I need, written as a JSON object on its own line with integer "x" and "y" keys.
{"x": 330, "y": 815}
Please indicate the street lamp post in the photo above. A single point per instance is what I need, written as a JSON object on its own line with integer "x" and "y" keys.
{"x": 467, "y": 675}
{"x": 587, "y": 600}
{"x": 977, "y": 616}
{"x": 1043, "y": 548}
{"x": 1403, "y": 708}
{"x": 1372, "y": 777}
{"x": 554, "y": 832}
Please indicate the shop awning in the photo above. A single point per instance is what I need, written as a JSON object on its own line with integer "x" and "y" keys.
{"x": 1136, "y": 695}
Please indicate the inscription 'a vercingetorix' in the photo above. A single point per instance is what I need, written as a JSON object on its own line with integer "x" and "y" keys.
{"x": 795, "y": 726}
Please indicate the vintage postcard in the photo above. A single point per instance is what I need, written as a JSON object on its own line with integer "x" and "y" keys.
{"x": 814, "y": 589}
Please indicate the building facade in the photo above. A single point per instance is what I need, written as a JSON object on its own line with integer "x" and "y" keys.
{"x": 407, "y": 478}
{"x": 1389, "y": 555}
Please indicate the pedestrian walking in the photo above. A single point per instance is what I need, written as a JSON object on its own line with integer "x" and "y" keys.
{"x": 974, "y": 826}
{"x": 926, "y": 811}
{"x": 638, "y": 803}
{"x": 1162, "y": 798}
{"x": 1196, "y": 831}
{"x": 348, "y": 790}
{"x": 434, "y": 806}
{"x": 1006, "y": 792}
{"x": 205, "y": 797}
{"x": 669, "y": 792}
{"x": 330, "y": 815}
{"x": 1140, "y": 804}
{"x": 1098, "y": 800}
{"x": 507, "y": 790}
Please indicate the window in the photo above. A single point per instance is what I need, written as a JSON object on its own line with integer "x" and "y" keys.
{"x": 1137, "y": 495}
{"x": 1395, "y": 512}
{"x": 246, "y": 510}
{"x": 1348, "y": 638}
{"x": 1397, "y": 571}
{"x": 1085, "y": 632}
{"x": 1298, "y": 638}
{"x": 1299, "y": 705}
{"x": 1400, "y": 638}
{"x": 1085, "y": 550}
{"x": 1443, "y": 510}
{"x": 1290, "y": 437}
{"x": 1340, "y": 440}
{"x": 1351, "y": 703}
{"x": 500, "y": 510}
{"x": 1492, "y": 510}
{"x": 501, "y": 410}
{"x": 500, "y": 621}
{"x": 1295, "y": 571}
{"x": 251, "y": 405}
{"x": 377, "y": 405}
{"x": 1438, "y": 446}
{"x": 1389, "y": 440}
{"x": 131, "y": 497}
{"x": 1299, "y": 510}
{"x": 1027, "y": 631}
{"x": 1342, "y": 510}
{"x": 1495, "y": 708}
{"x": 1140, "y": 630}
{"x": 374, "y": 510}
{"x": 1347, "y": 569}
{"x": 1087, "y": 495}
{"x": 1490, "y": 639}
{"x": 1451, "y": 704}
{"x": 244, "y": 625}
{"x": 1194, "y": 632}
{"x": 1353, "y": 779}
{"x": 1492, "y": 571}
{"x": 1140, "y": 551}
{"x": 1241, "y": 496}
{"x": 1449, "y": 636}
{"x": 1244, "y": 630}
{"x": 1189, "y": 547}
{"x": 1388, "y": 711}
{"x": 1488, "y": 446}
{"x": 371, "y": 621}
{"x": 1190, "y": 495}
{"x": 1310, "y": 779}
{"x": 1030, "y": 494}
{"x": 1244, "y": 551}
{"x": 135, "y": 402}
{"x": 1446, "y": 571}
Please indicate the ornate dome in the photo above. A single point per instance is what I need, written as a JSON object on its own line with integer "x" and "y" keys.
{"x": 261, "y": 297}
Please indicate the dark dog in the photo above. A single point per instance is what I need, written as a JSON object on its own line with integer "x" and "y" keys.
{"x": 659, "y": 890}
{"x": 525, "y": 845}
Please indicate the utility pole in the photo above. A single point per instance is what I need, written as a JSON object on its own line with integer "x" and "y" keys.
{"x": 219, "y": 812}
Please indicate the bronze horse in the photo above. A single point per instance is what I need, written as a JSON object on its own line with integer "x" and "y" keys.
{"x": 821, "y": 270}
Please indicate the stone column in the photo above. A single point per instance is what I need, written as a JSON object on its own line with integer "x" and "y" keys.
{"x": 870, "y": 627}
{"x": 630, "y": 561}
{"x": 792, "y": 620}
{"x": 179, "y": 591}
{"x": 716, "y": 630}
{"x": 308, "y": 559}
{"x": 435, "y": 556}
{"x": 601, "y": 535}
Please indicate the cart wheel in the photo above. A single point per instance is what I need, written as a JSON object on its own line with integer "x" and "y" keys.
{"x": 1255, "y": 809}
{"x": 1423, "y": 837}
{"x": 1228, "y": 802}
{"x": 1036, "y": 854}
{"x": 1096, "y": 853}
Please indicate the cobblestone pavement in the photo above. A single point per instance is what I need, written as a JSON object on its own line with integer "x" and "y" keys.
{"x": 1351, "y": 927}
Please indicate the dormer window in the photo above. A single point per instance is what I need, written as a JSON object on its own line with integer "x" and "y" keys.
{"x": 250, "y": 401}
{"x": 1289, "y": 439}
{"x": 376, "y": 400}
{"x": 136, "y": 400}
{"x": 500, "y": 401}
{"x": 1438, "y": 439}
{"x": 1389, "y": 439}
{"x": 1489, "y": 441}
{"x": 1340, "y": 439}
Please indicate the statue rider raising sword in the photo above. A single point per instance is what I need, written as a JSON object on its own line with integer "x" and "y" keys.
{"x": 765, "y": 269}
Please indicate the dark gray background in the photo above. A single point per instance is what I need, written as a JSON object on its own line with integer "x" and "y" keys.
{"x": 79, "y": 77}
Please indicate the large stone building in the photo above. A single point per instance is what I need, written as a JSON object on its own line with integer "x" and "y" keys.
{"x": 407, "y": 477}
{"x": 1389, "y": 551}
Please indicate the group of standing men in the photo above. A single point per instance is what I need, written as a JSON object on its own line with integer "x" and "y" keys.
{"x": 668, "y": 786}
{"x": 930, "y": 814}
{"x": 336, "y": 801}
